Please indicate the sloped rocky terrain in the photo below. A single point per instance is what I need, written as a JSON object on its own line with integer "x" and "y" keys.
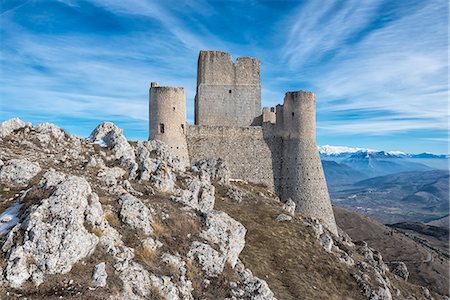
{"x": 425, "y": 258}
{"x": 105, "y": 218}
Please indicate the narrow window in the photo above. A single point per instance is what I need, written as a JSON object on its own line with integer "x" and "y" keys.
{"x": 229, "y": 91}
{"x": 292, "y": 114}
{"x": 161, "y": 128}
{"x": 182, "y": 127}
{"x": 173, "y": 108}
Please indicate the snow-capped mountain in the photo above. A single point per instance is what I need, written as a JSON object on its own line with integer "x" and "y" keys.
{"x": 367, "y": 163}
{"x": 344, "y": 152}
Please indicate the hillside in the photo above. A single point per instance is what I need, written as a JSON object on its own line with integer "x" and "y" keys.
{"x": 426, "y": 265}
{"x": 104, "y": 218}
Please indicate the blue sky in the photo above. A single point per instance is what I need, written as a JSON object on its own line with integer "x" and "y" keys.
{"x": 379, "y": 68}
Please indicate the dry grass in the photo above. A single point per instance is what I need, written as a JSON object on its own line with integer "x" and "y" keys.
{"x": 73, "y": 285}
{"x": 395, "y": 246}
{"x": 113, "y": 219}
{"x": 286, "y": 254}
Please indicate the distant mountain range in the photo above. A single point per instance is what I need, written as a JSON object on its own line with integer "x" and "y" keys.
{"x": 390, "y": 186}
{"x": 347, "y": 165}
{"x": 419, "y": 196}
{"x": 344, "y": 152}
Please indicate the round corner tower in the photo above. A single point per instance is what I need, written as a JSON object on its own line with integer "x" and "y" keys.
{"x": 168, "y": 119}
{"x": 304, "y": 180}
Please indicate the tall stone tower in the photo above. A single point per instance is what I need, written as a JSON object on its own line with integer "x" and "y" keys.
{"x": 168, "y": 118}
{"x": 228, "y": 94}
{"x": 302, "y": 174}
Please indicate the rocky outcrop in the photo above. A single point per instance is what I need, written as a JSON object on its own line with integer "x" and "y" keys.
{"x": 289, "y": 206}
{"x": 400, "y": 269}
{"x": 283, "y": 218}
{"x": 249, "y": 286}
{"x": 226, "y": 232}
{"x": 135, "y": 214}
{"x": 108, "y": 210}
{"x": 17, "y": 172}
{"x": 9, "y": 126}
{"x": 109, "y": 176}
{"x": 99, "y": 275}
{"x": 199, "y": 192}
{"x": 216, "y": 168}
{"x": 54, "y": 236}
{"x": 211, "y": 260}
{"x": 109, "y": 135}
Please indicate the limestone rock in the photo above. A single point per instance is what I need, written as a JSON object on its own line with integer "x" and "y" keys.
{"x": 135, "y": 214}
{"x": 136, "y": 282}
{"x": 216, "y": 168}
{"x": 102, "y": 130}
{"x": 185, "y": 285}
{"x": 54, "y": 236}
{"x": 212, "y": 261}
{"x": 235, "y": 194}
{"x": 400, "y": 269}
{"x": 51, "y": 178}
{"x": 283, "y": 218}
{"x": 47, "y": 131}
{"x": 99, "y": 275}
{"x": 109, "y": 176}
{"x": 326, "y": 241}
{"x": 9, "y": 126}
{"x": 165, "y": 287}
{"x": 18, "y": 172}
{"x": 112, "y": 136}
{"x": 250, "y": 286}
{"x": 198, "y": 195}
{"x": 163, "y": 179}
{"x": 289, "y": 206}
{"x": 150, "y": 154}
{"x": 226, "y": 232}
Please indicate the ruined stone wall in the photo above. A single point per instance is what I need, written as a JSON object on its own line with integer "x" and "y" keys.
{"x": 228, "y": 94}
{"x": 167, "y": 111}
{"x": 252, "y": 153}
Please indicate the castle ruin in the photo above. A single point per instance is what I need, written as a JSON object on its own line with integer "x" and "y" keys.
{"x": 274, "y": 146}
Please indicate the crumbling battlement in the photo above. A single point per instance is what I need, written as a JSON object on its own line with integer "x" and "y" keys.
{"x": 227, "y": 92}
{"x": 274, "y": 146}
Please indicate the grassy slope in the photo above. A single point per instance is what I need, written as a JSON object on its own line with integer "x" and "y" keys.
{"x": 395, "y": 246}
{"x": 286, "y": 254}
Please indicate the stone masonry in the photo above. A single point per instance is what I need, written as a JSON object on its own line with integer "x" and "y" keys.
{"x": 274, "y": 146}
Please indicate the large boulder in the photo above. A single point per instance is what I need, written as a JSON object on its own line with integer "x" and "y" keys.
{"x": 54, "y": 235}
{"x": 150, "y": 154}
{"x": 9, "y": 126}
{"x": 216, "y": 168}
{"x": 200, "y": 193}
{"x": 225, "y": 232}
{"x": 399, "y": 268}
{"x": 211, "y": 260}
{"x": 250, "y": 286}
{"x": 45, "y": 132}
{"x": 135, "y": 214}
{"x": 18, "y": 172}
{"x": 109, "y": 135}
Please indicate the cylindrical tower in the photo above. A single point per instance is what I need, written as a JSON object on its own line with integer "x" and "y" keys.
{"x": 303, "y": 178}
{"x": 168, "y": 119}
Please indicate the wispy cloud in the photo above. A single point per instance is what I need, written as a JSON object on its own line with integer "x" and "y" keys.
{"x": 378, "y": 67}
{"x": 399, "y": 67}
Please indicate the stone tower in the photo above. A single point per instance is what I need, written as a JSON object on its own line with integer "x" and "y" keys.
{"x": 303, "y": 179}
{"x": 168, "y": 118}
{"x": 228, "y": 94}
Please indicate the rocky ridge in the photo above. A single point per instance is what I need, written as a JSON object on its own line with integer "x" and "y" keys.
{"x": 107, "y": 218}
